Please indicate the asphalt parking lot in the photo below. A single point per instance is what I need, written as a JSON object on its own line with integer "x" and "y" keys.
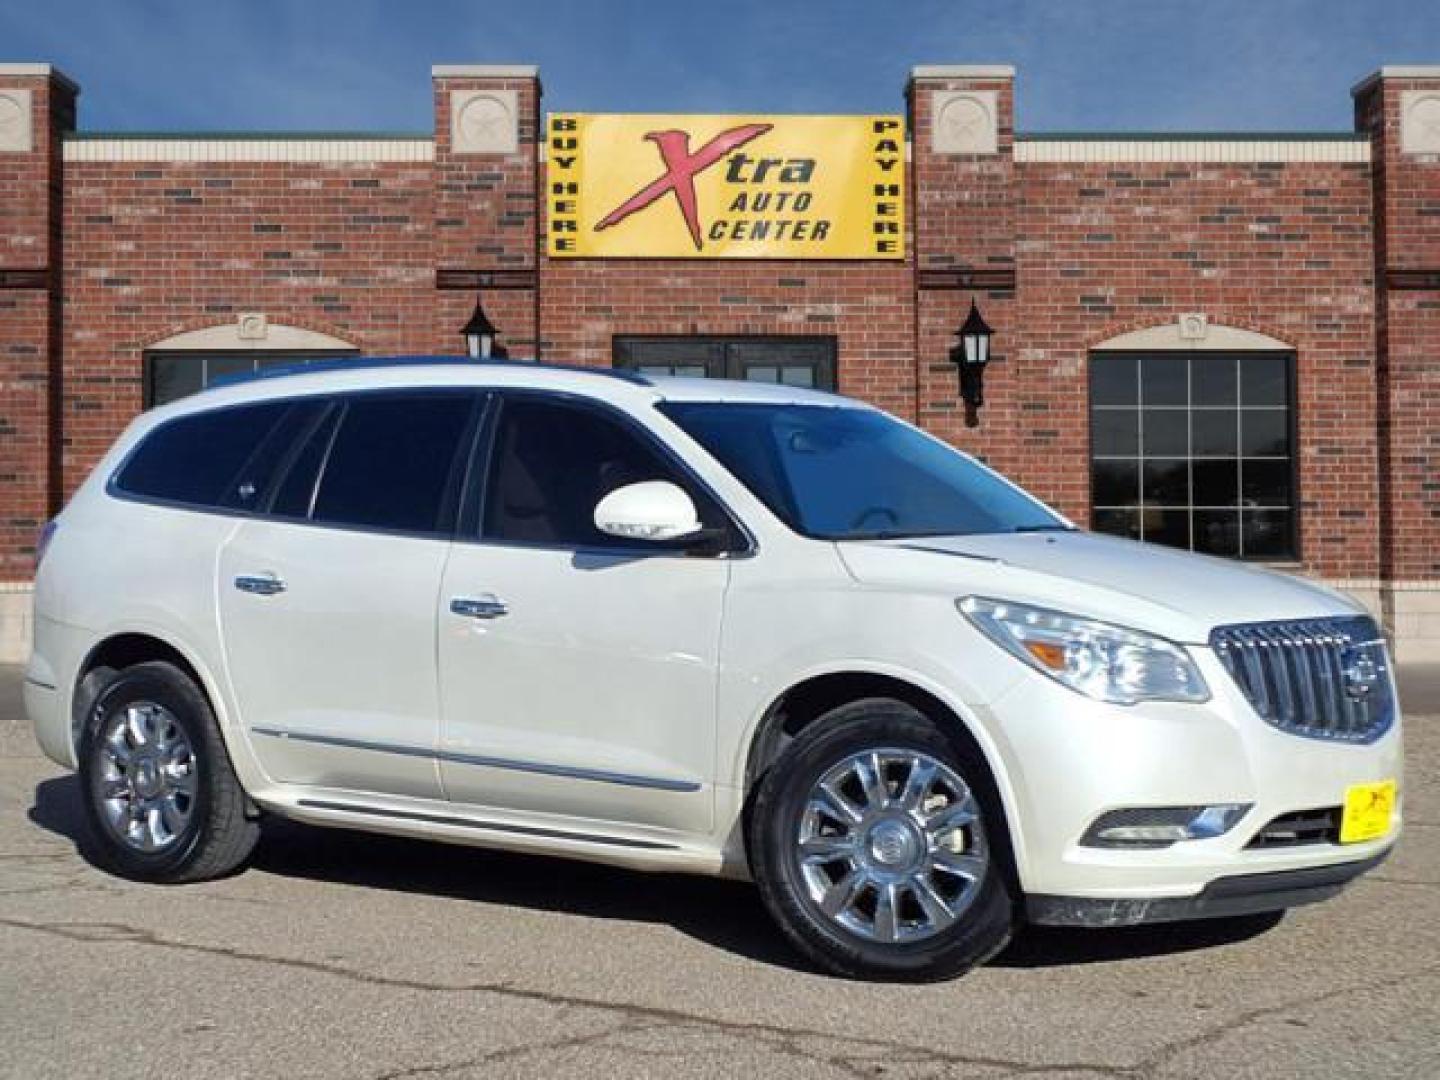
{"x": 345, "y": 955}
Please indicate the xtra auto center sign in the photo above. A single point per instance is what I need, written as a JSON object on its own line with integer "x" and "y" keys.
{"x": 730, "y": 187}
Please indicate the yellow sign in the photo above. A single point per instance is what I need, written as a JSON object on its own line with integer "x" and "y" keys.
{"x": 1367, "y": 812}
{"x": 727, "y": 187}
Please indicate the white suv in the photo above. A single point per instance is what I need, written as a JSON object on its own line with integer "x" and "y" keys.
{"x": 693, "y": 625}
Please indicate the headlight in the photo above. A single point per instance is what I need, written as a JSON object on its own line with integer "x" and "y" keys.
{"x": 1101, "y": 661}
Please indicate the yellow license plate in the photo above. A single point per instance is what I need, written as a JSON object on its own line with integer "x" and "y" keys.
{"x": 1367, "y": 813}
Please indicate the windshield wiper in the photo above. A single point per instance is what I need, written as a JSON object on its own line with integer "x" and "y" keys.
{"x": 1044, "y": 528}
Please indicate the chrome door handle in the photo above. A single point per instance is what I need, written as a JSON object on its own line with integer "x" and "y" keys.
{"x": 487, "y": 606}
{"x": 260, "y": 584}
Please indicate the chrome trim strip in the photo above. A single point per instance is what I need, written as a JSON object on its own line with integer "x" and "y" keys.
{"x": 490, "y": 826}
{"x": 567, "y": 771}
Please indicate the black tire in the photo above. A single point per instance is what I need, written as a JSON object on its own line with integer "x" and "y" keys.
{"x": 221, "y": 827}
{"x": 984, "y": 926}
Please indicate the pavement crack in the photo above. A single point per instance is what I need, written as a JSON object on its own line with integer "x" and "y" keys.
{"x": 808, "y": 1044}
{"x": 1215, "y": 1033}
{"x": 1404, "y": 881}
{"x": 508, "y": 1053}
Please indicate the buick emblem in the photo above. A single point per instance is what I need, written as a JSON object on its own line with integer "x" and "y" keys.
{"x": 1361, "y": 673}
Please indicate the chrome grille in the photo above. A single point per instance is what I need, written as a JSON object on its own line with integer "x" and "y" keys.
{"x": 1320, "y": 678}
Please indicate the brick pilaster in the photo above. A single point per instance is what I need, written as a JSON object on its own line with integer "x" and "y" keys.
{"x": 37, "y": 105}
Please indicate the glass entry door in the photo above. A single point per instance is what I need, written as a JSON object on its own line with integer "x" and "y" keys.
{"x": 793, "y": 361}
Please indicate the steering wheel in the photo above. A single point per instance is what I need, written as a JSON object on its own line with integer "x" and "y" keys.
{"x": 872, "y": 511}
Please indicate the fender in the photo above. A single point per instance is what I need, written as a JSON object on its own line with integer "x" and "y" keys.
{"x": 991, "y": 747}
{"x": 247, "y": 766}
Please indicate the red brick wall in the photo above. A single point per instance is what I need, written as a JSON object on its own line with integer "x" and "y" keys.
{"x": 1064, "y": 257}
{"x": 1407, "y": 209}
{"x": 866, "y": 306}
{"x": 30, "y": 252}
{"x": 964, "y": 213}
{"x": 158, "y": 248}
{"x": 1101, "y": 249}
{"x": 486, "y": 210}
{"x": 1280, "y": 249}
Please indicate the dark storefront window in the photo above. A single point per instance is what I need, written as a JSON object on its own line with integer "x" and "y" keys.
{"x": 807, "y": 362}
{"x": 170, "y": 376}
{"x": 1195, "y": 450}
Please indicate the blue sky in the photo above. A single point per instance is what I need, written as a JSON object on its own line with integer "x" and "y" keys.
{"x": 364, "y": 64}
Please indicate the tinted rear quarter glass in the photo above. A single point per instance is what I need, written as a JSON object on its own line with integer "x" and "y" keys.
{"x": 392, "y": 462}
{"x": 248, "y": 490}
{"x": 195, "y": 459}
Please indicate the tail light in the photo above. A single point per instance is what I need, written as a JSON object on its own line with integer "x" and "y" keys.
{"x": 42, "y": 542}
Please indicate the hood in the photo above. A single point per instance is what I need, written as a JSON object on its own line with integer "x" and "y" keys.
{"x": 1161, "y": 590}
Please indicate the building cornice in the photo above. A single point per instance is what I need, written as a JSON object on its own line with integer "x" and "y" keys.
{"x": 39, "y": 71}
{"x": 485, "y": 71}
{"x": 962, "y": 71}
{"x": 1397, "y": 71}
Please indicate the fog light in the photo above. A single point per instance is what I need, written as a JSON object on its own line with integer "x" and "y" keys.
{"x": 1161, "y": 826}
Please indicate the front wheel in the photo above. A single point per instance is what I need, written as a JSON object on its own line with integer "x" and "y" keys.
{"x": 161, "y": 799}
{"x": 874, "y": 847}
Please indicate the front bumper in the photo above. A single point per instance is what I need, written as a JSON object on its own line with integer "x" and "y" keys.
{"x": 1068, "y": 760}
{"x": 1239, "y": 894}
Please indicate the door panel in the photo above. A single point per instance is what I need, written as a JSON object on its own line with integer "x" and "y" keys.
{"x": 594, "y": 695}
{"x": 340, "y": 659}
{"x": 577, "y": 672}
{"x": 329, "y": 617}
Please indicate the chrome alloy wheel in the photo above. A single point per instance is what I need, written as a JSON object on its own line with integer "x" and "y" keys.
{"x": 145, "y": 780}
{"x": 890, "y": 846}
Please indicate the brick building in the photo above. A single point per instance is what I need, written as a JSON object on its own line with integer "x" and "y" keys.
{"x": 1225, "y": 342}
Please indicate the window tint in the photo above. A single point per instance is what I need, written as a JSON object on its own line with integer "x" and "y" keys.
{"x": 170, "y": 376}
{"x": 196, "y": 459}
{"x": 552, "y": 462}
{"x": 392, "y": 461}
{"x": 793, "y": 361}
{"x": 248, "y": 489}
{"x": 297, "y": 489}
{"x": 853, "y": 474}
{"x": 1193, "y": 450}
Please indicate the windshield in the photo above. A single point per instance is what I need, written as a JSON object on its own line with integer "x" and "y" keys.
{"x": 845, "y": 473}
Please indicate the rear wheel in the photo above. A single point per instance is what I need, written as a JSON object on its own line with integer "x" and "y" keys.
{"x": 161, "y": 798}
{"x": 873, "y": 847}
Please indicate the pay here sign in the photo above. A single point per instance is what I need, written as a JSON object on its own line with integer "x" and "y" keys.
{"x": 729, "y": 187}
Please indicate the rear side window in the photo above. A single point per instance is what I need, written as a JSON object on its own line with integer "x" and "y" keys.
{"x": 248, "y": 490}
{"x": 297, "y": 490}
{"x": 393, "y": 462}
{"x": 195, "y": 459}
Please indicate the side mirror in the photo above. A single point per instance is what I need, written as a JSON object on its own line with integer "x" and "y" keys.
{"x": 650, "y": 510}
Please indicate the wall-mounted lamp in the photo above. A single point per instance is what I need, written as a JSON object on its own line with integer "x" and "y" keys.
{"x": 970, "y": 356}
{"x": 480, "y": 336}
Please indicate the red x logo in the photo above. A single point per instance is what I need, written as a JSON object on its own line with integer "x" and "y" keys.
{"x": 681, "y": 168}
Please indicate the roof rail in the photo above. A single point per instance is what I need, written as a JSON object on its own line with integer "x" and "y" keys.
{"x": 360, "y": 363}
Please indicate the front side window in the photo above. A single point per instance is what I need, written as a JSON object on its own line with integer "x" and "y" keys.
{"x": 196, "y": 459}
{"x": 1193, "y": 450}
{"x": 845, "y": 473}
{"x": 391, "y": 464}
{"x": 552, "y": 462}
